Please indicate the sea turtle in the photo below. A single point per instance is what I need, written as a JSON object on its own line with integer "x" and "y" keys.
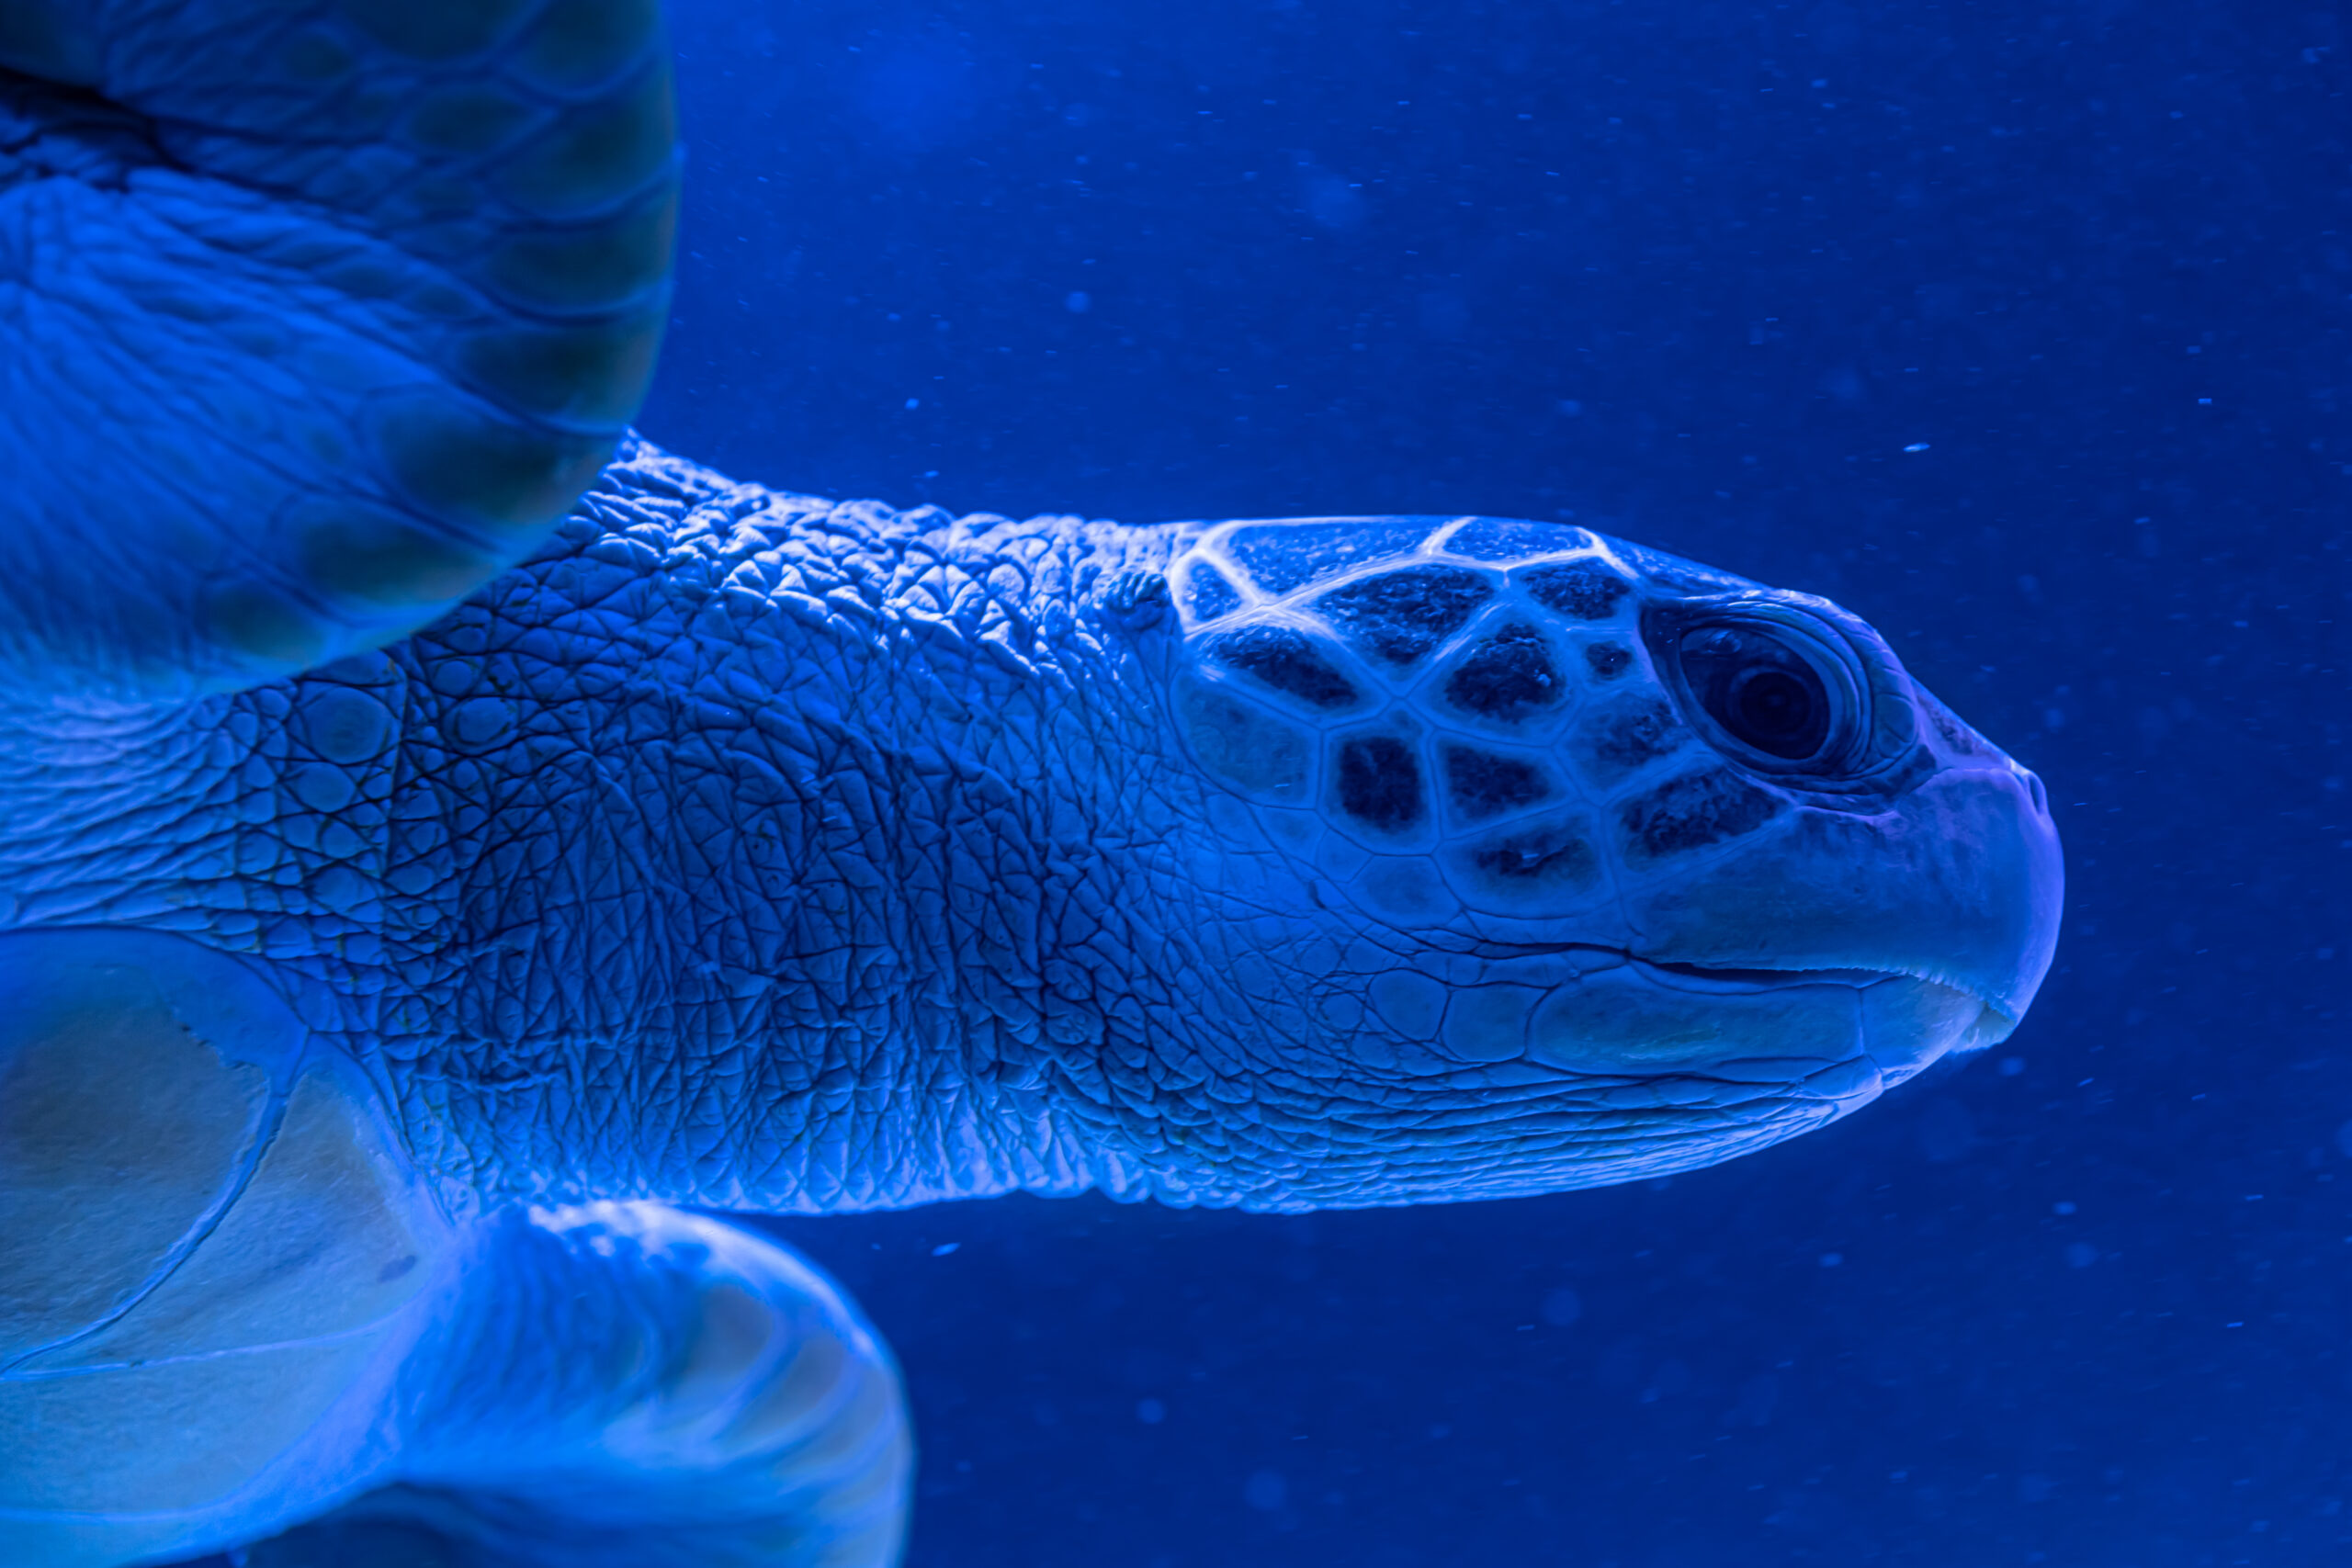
{"x": 439, "y": 833}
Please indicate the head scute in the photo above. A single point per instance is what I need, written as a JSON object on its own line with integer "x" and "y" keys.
{"x": 1415, "y": 683}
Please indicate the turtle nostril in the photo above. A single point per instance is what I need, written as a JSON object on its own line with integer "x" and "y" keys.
{"x": 2040, "y": 796}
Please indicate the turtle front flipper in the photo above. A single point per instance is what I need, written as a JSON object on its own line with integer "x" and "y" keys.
{"x": 313, "y": 317}
{"x": 625, "y": 1385}
{"x": 229, "y": 1304}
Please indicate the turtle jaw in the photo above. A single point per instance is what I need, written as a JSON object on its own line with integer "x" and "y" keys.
{"x": 1836, "y": 1033}
{"x": 1958, "y": 886}
{"x": 1918, "y": 1019}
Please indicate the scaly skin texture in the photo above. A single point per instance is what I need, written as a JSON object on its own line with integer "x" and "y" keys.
{"x": 717, "y": 854}
{"x": 408, "y": 891}
{"x": 746, "y": 849}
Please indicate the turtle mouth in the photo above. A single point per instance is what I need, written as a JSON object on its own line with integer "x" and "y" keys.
{"x": 1729, "y": 979}
{"x": 1732, "y": 981}
{"x": 1992, "y": 1024}
{"x": 1721, "y": 979}
{"x": 1988, "y": 1025}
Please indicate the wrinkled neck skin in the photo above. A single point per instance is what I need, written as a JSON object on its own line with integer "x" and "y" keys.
{"x": 740, "y": 848}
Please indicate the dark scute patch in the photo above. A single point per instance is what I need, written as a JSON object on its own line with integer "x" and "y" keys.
{"x": 1550, "y": 854}
{"x": 1694, "y": 811}
{"x": 591, "y": 372}
{"x": 1616, "y": 742}
{"x": 266, "y": 627}
{"x": 1207, "y": 594}
{"x": 590, "y": 268}
{"x": 471, "y": 117}
{"x": 1608, "y": 660}
{"x": 1380, "y": 784}
{"x": 595, "y": 154}
{"x": 391, "y": 564}
{"x": 1400, "y": 616}
{"x": 1506, "y": 677}
{"x": 580, "y": 44}
{"x": 464, "y": 467}
{"x": 434, "y": 29}
{"x": 1286, "y": 660}
{"x": 1481, "y": 785}
{"x": 1509, "y": 538}
{"x": 1587, "y": 589}
{"x": 1282, "y": 555}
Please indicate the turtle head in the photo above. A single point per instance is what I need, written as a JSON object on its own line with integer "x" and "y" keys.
{"x": 1567, "y": 862}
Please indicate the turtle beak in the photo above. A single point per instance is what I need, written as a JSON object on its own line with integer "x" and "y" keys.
{"x": 1958, "y": 885}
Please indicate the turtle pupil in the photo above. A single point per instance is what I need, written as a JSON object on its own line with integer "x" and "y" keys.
{"x": 1773, "y": 704}
{"x": 1762, "y": 692}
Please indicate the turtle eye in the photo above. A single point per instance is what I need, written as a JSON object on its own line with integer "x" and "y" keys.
{"x": 1761, "y": 690}
{"x": 1808, "y": 696}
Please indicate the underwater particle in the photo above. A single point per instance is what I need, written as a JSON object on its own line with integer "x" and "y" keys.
{"x": 1265, "y": 1490}
{"x": 1150, "y": 1412}
{"x": 1078, "y": 302}
{"x": 2081, "y": 1255}
{"x": 1832, "y": 1259}
{"x": 1561, "y": 1307}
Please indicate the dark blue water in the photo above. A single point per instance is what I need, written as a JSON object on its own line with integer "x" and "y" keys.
{"x": 1709, "y": 272}
{"x": 2025, "y": 331}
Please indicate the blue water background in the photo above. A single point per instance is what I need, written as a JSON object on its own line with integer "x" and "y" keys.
{"x": 2019, "y": 328}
